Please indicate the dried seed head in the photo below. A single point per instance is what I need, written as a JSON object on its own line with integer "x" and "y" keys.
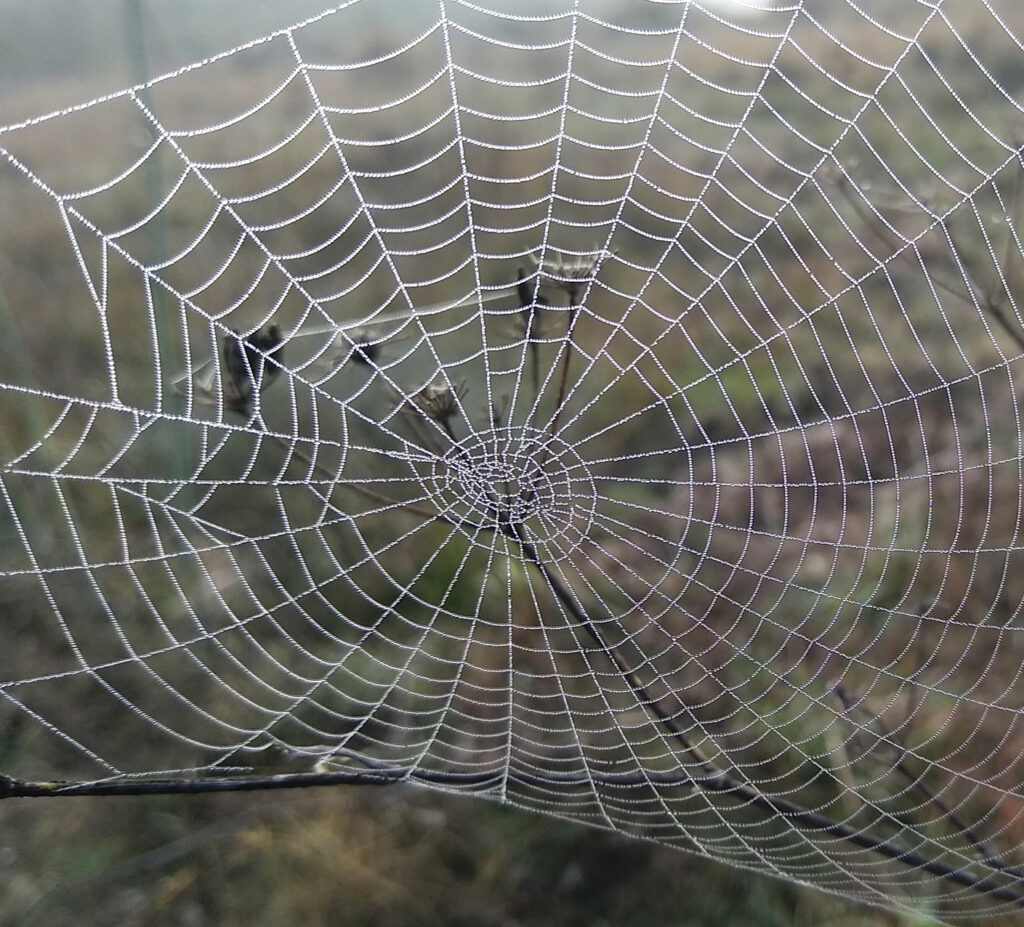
{"x": 363, "y": 346}
{"x": 440, "y": 401}
{"x": 360, "y": 347}
{"x": 271, "y": 344}
{"x": 246, "y": 367}
{"x": 570, "y": 272}
{"x": 365, "y": 350}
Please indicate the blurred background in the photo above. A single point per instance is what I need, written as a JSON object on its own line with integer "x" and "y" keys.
{"x": 401, "y": 855}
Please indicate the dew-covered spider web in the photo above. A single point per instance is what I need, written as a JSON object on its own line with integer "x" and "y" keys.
{"x": 607, "y": 408}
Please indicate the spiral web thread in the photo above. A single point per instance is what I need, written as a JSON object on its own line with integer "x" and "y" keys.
{"x": 641, "y": 446}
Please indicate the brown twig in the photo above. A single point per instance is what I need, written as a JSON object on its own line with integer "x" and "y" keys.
{"x": 639, "y": 690}
{"x": 563, "y": 382}
{"x": 885, "y": 738}
{"x": 489, "y": 782}
{"x": 962, "y": 284}
{"x": 293, "y": 451}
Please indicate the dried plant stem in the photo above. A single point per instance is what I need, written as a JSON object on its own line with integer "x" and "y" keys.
{"x": 328, "y": 474}
{"x": 961, "y": 284}
{"x": 531, "y": 302}
{"x": 563, "y": 382}
{"x": 991, "y": 300}
{"x": 639, "y": 690}
{"x": 534, "y": 364}
{"x": 1008, "y": 265}
{"x": 916, "y": 781}
{"x": 372, "y": 773}
{"x": 718, "y": 780}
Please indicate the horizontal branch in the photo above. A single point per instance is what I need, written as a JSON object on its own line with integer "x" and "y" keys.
{"x": 482, "y": 782}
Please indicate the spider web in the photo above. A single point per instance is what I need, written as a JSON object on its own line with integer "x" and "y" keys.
{"x": 638, "y": 441}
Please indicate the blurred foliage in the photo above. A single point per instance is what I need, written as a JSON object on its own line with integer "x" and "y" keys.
{"x": 398, "y": 856}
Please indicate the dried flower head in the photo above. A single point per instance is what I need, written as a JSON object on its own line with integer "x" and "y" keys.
{"x": 245, "y": 365}
{"x": 365, "y": 350}
{"x": 364, "y": 346}
{"x": 440, "y": 401}
{"x": 361, "y": 347}
{"x": 572, "y": 272}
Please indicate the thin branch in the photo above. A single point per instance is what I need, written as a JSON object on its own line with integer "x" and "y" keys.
{"x": 531, "y": 304}
{"x": 718, "y": 780}
{"x": 492, "y": 781}
{"x": 293, "y": 451}
{"x": 566, "y": 359}
{"x": 1009, "y": 264}
{"x": 640, "y": 692}
{"x": 990, "y": 300}
{"x": 886, "y": 738}
{"x": 963, "y": 285}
